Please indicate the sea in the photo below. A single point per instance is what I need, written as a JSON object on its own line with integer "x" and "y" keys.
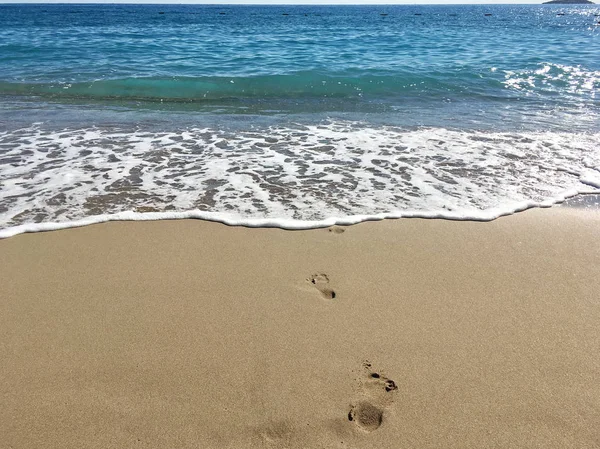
{"x": 294, "y": 116}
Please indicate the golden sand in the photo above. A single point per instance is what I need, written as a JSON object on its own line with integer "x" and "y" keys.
{"x": 396, "y": 334}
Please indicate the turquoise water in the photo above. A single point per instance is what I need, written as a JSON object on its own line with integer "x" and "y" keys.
{"x": 242, "y": 59}
{"x": 413, "y": 85}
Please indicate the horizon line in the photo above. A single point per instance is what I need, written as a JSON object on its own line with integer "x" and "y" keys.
{"x": 241, "y": 3}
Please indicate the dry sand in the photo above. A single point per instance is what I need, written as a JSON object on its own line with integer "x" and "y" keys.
{"x": 414, "y": 334}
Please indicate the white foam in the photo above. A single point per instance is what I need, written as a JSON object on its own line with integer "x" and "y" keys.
{"x": 288, "y": 224}
{"x": 294, "y": 178}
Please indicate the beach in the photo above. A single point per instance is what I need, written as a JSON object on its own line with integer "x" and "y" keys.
{"x": 405, "y": 333}
{"x": 299, "y": 226}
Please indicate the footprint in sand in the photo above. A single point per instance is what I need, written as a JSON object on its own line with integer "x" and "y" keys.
{"x": 368, "y": 416}
{"x": 377, "y": 393}
{"x": 321, "y": 283}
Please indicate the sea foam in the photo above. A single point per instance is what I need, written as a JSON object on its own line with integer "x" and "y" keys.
{"x": 293, "y": 177}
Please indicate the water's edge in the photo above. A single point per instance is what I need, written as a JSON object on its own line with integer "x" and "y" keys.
{"x": 298, "y": 225}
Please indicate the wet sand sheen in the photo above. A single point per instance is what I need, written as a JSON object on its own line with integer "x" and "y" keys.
{"x": 407, "y": 333}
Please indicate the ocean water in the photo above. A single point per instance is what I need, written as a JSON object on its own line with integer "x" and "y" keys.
{"x": 294, "y": 116}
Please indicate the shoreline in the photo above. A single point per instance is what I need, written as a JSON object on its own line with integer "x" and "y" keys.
{"x": 187, "y": 333}
{"x": 581, "y": 200}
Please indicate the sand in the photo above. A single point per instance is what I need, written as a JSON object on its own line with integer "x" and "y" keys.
{"x": 395, "y": 334}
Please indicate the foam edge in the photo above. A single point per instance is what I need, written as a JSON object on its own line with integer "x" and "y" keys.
{"x": 296, "y": 225}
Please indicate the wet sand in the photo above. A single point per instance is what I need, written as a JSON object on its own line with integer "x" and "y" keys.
{"x": 395, "y": 334}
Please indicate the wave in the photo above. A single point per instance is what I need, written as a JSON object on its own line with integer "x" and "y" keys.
{"x": 298, "y": 85}
{"x": 543, "y": 79}
{"x": 299, "y": 176}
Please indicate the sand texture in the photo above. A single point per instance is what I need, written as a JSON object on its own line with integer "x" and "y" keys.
{"x": 396, "y": 334}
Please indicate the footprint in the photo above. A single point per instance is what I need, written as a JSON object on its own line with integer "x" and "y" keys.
{"x": 368, "y": 416}
{"x": 377, "y": 393}
{"x": 321, "y": 283}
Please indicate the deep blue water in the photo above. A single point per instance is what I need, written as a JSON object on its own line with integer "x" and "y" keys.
{"x": 531, "y": 72}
